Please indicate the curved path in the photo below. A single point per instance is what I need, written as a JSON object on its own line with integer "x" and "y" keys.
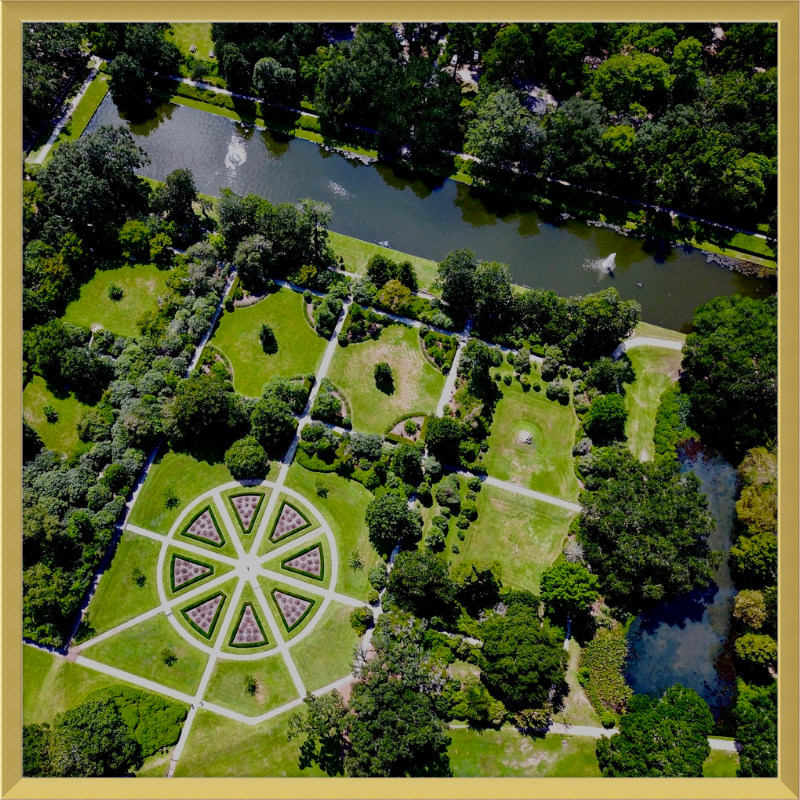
{"x": 646, "y": 341}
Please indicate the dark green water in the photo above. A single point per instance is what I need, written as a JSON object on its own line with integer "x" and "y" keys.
{"x": 426, "y": 216}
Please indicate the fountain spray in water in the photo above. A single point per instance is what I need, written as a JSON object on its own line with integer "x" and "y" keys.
{"x": 605, "y": 265}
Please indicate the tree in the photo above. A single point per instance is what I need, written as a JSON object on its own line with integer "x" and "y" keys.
{"x": 730, "y": 373}
{"x": 491, "y": 286}
{"x": 606, "y": 418}
{"x": 269, "y": 344}
{"x": 274, "y": 82}
{"x": 749, "y": 608}
{"x": 644, "y": 528}
{"x": 756, "y": 649}
{"x": 667, "y": 737}
{"x": 384, "y": 379}
{"x": 327, "y": 407}
{"x": 478, "y": 584}
{"x": 568, "y": 588}
{"x": 510, "y": 57}
{"x": 202, "y": 405}
{"x": 443, "y": 437}
{"x": 395, "y": 297}
{"x": 273, "y": 423}
{"x": 254, "y": 258}
{"x": 455, "y": 275}
{"x": 754, "y": 560}
{"x": 92, "y": 740}
{"x": 395, "y": 732}
{"x": 246, "y": 458}
{"x": 567, "y": 44}
{"x": 235, "y": 68}
{"x": 504, "y": 133}
{"x": 323, "y": 725}
{"x": 522, "y": 657}
{"x": 134, "y": 238}
{"x": 175, "y": 196}
{"x": 756, "y": 717}
{"x": 127, "y": 83}
{"x": 390, "y": 520}
{"x": 407, "y": 463}
{"x": 420, "y": 583}
{"x": 622, "y": 80}
{"x": 448, "y": 493}
{"x": 35, "y": 741}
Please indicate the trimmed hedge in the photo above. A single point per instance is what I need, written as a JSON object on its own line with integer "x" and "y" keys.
{"x": 191, "y": 522}
{"x": 249, "y": 528}
{"x": 210, "y": 633}
{"x": 235, "y": 629}
{"x": 311, "y": 601}
{"x": 196, "y": 578}
{"x": 321, "y": 576}
{"x": 278, "y": 518}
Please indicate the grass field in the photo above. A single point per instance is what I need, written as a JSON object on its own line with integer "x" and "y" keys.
{"x": 84, "y": 111}
{"x": 118, "y": 598}
{"x": 344, "y": 510}
{"x": 299, "y": 348}
{"x": 525, "y": 536}
{"x": 656, "y": 369}
{"x": 508, "y": 754}
{"x": 356, "y": 253}
{"x": 275, "y": 685}
{"x": 219, "y": 747}
{"x": 326, "y": 654}
{"x": 721, "y": 764}
{"x": 185, "y": 34}
{"x": 646, "y": 329}
{"x": 60, "y": 436}
{"x": 576, "y": 709}
{"x": 417, "y": 383}
{"x": 546, "y": 465}
{"x": 138, "y": 649}
{"x": 142, "y": 284}
{"x": 186, "y": 475}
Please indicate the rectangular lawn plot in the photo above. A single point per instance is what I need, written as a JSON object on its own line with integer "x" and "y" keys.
{"x": 531, "y": 441}
{"x": 417, "y": 383}
{"x": 299, "y": 348}
{"x": 524, "y": 535}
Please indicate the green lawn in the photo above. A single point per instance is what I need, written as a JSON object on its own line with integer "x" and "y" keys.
{"x": 60, "y": 436}
{"x": 267, "y": 544}
{"x": 545, "y": 465}
{"x": 118, "y": 598}
{"x": 417, "y": 383}
{"x": 84, "y": 111}
{"x": 721, "y": 764}
{"x": 356, "y": 253}
{"x": 344, "y": 510}
{"x": 508, "y": 754}
{"x": 275, "y": 685}
{"x": 224, "y": 748}
{"x": 186, "y": 34}
{"x": 300, "y": 350}
{"x": 188, "y": 476}
{"x": 525, "y": 536}
{"x": 326, "y": 654}
{"x": 576, "y": 708}
{"x": 656, "y": 369}
{"x": 138, "y": 650}
{"x": 141, "y": 283}
{"x": 646, "y": 329}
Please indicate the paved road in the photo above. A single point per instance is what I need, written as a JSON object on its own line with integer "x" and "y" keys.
{"x": 452, "y": 375}
{"x": 646, "y": 341}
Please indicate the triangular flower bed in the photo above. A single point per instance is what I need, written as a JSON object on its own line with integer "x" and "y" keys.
{"x": 309, "y": 562}
{"x": 290, "y": 520}
{"x": 248, "y": 631}
{"x": 203, "y": 527}
{"x": 293, "y": 607}
{"x": 203, "y": 616}
{"x": 245, "y": 507}
{"x": 185, "y": 571}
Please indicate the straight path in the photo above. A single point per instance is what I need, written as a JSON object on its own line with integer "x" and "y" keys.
{"x": 63, "y": 119}
{"x": 452, "y": 375}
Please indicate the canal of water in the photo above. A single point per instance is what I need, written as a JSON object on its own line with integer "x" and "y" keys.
{"x": 427, "y": 216}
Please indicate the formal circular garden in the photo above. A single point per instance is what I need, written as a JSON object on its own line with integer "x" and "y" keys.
{"x": 247, "y": 570}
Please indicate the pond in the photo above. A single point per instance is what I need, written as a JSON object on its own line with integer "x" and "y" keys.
{"x": 680, "y": 641}
{"x": 428, "y": 216}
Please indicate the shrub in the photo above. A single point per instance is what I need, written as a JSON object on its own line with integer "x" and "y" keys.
{"x": 250, "y": 685}
{"x": 448, "y": 493}
{"x": 343, "y": 340}
{"x": 462, "y": 522}
{"x": 322, "y": 489}
{"x": 169, "y": 656}
{"x": 384, "y": 380}
{"x": 229, "y": 304}
{"x": 327, "y": 407}
{"x": 469, "y": 510}
{"x": 537, "y": 387}
{"x": 360, "y": 620}
{"x": 557, "y": 391}
{"x": 603, "y": 670}
{"x": 377, "y": 577}
{"x": 355, "y": 561}
{"x": 50, "y": 414}
{"x": 435, "y": 540}
{"x": 525, "y": 383}
{"x": 507, "y": 380}
{"x": 139, "y": 578}
{"x": 606, "y": 418}
{"x": 266, "y": 336}
{"x": 246, "y": 458}
{"x": 373, "y": 597}
{"x": 410, "y": 426}
{"x": 115, "y": 292}
{"x": 441, "y": 523}
{"x": 461, "y": 535}
{"x": 607, "y": 719}
{"x": 474, "y": 484}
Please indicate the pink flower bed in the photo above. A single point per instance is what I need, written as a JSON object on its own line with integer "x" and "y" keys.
{"x": 204, "y": 528}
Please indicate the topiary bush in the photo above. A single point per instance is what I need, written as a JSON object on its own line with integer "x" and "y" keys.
{"x": 384, "y": 379}
{"x": 607, "y": 719}
{"x": 115, "y": 292}
{"x": 269, "y": 344}
{"x": 246, "y": 458}
{"x": 360, "y": 620}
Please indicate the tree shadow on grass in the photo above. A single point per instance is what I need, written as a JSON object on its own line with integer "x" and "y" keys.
{"x": 328, "y": 758}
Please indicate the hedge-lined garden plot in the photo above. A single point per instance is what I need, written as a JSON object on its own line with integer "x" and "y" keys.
{"x": 309, "y": 562}
{"x": 289, "y": 520}
{"x": 128, "y": 587}
{"x": 141, "y": 285}
{"x": 506, "y": 753}
{"x": 326, "y": 654}
{"x": 60, "y": 436}
{"x": 274, "y": 685}
{"x": 531, "y": 440}
{"x": 417, "y": 383}
{"x": 181, "y": 475}
{"x": 202, "y": 616}
{"x": 249, "y": 631}
{"x": 343, "y": 506}
{"x": 223, "y": 748}
{"x": 203, "y": 527}
{"x": 293, "y": 609}
{"x": 246, "y": 506}
{"x": 656, "y": 370}
{"x": 524, "y": 535}
{"x": 299, "y": 348}
{"x": 182, "y": 571}
{"x": 142, "y": 649}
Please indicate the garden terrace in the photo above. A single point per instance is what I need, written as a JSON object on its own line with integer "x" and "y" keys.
{"x": 299, "y": 348}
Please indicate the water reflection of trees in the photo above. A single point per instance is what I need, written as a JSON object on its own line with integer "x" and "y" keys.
{"x": 679, "y": 612}
{"x": 398, "y": 177}
{"x": 146, "y": 119}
